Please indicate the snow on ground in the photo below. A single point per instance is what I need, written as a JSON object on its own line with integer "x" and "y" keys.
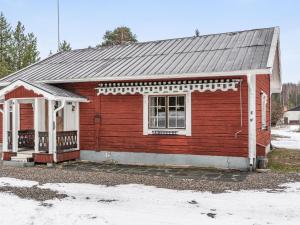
{"x": 290, "y": 138}
{"x": 138, "y": 204}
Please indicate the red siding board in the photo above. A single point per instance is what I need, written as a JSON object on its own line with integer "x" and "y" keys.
{"x": 115, "y": 123}
{"x": 263, "y": 137}
{"x": 215, "y": 116}
{"x": 21, "y": 92}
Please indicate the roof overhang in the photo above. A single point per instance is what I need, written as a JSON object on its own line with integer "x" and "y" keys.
{"x": 31, "y": 87}
{"x": 274, "y": 62}
{"x": 157, "y": 77}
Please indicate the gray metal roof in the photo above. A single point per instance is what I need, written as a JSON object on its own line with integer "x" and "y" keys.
{"x": 295, "y": 109}
{"x": 234, "y": 51}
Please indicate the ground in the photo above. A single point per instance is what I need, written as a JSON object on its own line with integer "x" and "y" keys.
{"x": 91, "y": 193}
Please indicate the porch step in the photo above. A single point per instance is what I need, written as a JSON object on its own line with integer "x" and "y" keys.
{"x": 23, "y": 157}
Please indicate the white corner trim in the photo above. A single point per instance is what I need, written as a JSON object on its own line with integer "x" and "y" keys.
{"x": 188, "y": 107}
{"x": 251, "y": 118}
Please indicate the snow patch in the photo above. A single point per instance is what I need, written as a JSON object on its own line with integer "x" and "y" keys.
{"x": 289, "y": 137}
{"x": 12, "y": 182}
{"x": 139, "y": 204}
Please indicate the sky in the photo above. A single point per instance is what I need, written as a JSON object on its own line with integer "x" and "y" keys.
{"x": 83, "y": 22}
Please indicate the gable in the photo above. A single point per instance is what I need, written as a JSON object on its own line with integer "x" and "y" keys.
{"x": 21, "y": 92}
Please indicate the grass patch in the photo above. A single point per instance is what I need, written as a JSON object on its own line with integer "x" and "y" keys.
{"x": 284, "y": 160}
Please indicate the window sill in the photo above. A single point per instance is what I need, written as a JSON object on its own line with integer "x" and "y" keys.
{"x": 168, "y": 132}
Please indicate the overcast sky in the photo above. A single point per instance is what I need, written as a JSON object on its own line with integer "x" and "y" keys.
{"x": 83, "y": 22}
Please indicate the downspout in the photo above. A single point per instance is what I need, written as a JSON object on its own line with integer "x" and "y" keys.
{"x": 251, "y": 78}
{"x": 63, "y": 102}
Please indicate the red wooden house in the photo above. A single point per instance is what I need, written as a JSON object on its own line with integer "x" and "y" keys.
{"x": 199, "y": 101}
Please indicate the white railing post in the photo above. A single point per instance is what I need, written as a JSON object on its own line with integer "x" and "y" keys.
{"x": 36, "y": 124}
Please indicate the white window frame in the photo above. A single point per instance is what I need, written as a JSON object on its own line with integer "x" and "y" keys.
{"x": 187, "y": 131}
{"x": 264, "y": 103}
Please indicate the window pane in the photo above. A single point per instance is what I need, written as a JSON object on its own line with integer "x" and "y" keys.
{"x": 161, "y": 101}
{"x": 180, "y": 111}
{"x": 153, "y": 111}
{"x": 153, "y": 101}
{"x": 162, "y": 122}
{"x": 153, "y": 122}
{"x": 180, "y": 101}
{"x": 172, "y": 111}
{"x": 172, "y": 122}
{"x": 172, "y": 101}
{"x": 181, "y": 122}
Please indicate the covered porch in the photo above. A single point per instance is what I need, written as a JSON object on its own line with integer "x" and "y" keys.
{"x": 48, "y": 130}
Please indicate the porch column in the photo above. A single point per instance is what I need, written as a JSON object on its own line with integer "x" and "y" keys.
{"x": 39, "y": 120}
{"x": 77, "y": 123}
{"x": 6, "y": 124}
{"x": 51, "y": 127}
{"x": 15, "y": 124}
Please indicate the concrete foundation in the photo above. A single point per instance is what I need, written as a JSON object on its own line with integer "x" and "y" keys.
{"x": 130, "y": 158}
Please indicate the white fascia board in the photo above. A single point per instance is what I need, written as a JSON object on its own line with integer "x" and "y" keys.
{"x": 156, "y": 77}
{"x": 273, "y": 48}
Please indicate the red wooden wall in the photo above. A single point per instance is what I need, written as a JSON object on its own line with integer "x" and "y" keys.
{"x": 263, "y": 137}
{"x": 115, "y": 123}
{"x": 21, "y": 92}
{"x": 26, "y": 117}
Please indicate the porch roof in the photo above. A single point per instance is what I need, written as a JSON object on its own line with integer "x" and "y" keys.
{"x": 48, "y": 91}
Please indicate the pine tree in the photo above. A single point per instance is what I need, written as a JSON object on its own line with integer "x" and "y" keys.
{"x": 5, "y": 46}
{"x": 19, "y": 42}
{"x": 120, "y": 35}
{"x": 64, "y": 46}
{"x": 31, "y": 54}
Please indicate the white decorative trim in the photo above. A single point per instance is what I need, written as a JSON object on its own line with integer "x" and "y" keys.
{"x": 167, "y": 87}
{"x": 187, "y": 131}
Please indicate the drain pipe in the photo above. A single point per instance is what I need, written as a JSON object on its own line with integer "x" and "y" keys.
{"x": 63, "y": 102}
{"x": 251, "y": 78}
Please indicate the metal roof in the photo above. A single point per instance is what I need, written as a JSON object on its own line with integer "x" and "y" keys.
{"x": 295, "y": 109}
{"x": 56, "y": 91}
{"x": 233, "y": 51}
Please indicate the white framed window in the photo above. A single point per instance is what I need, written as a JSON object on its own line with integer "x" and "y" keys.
{"x": 167, "y": 114}
{"x": 264, "y": 102}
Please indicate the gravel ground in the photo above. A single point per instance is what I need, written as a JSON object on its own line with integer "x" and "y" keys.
{"x": 42, "y": 174}
{"x": 34, "y": 193}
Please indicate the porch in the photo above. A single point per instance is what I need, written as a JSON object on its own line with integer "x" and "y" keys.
{"x": 50, "y": 134}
